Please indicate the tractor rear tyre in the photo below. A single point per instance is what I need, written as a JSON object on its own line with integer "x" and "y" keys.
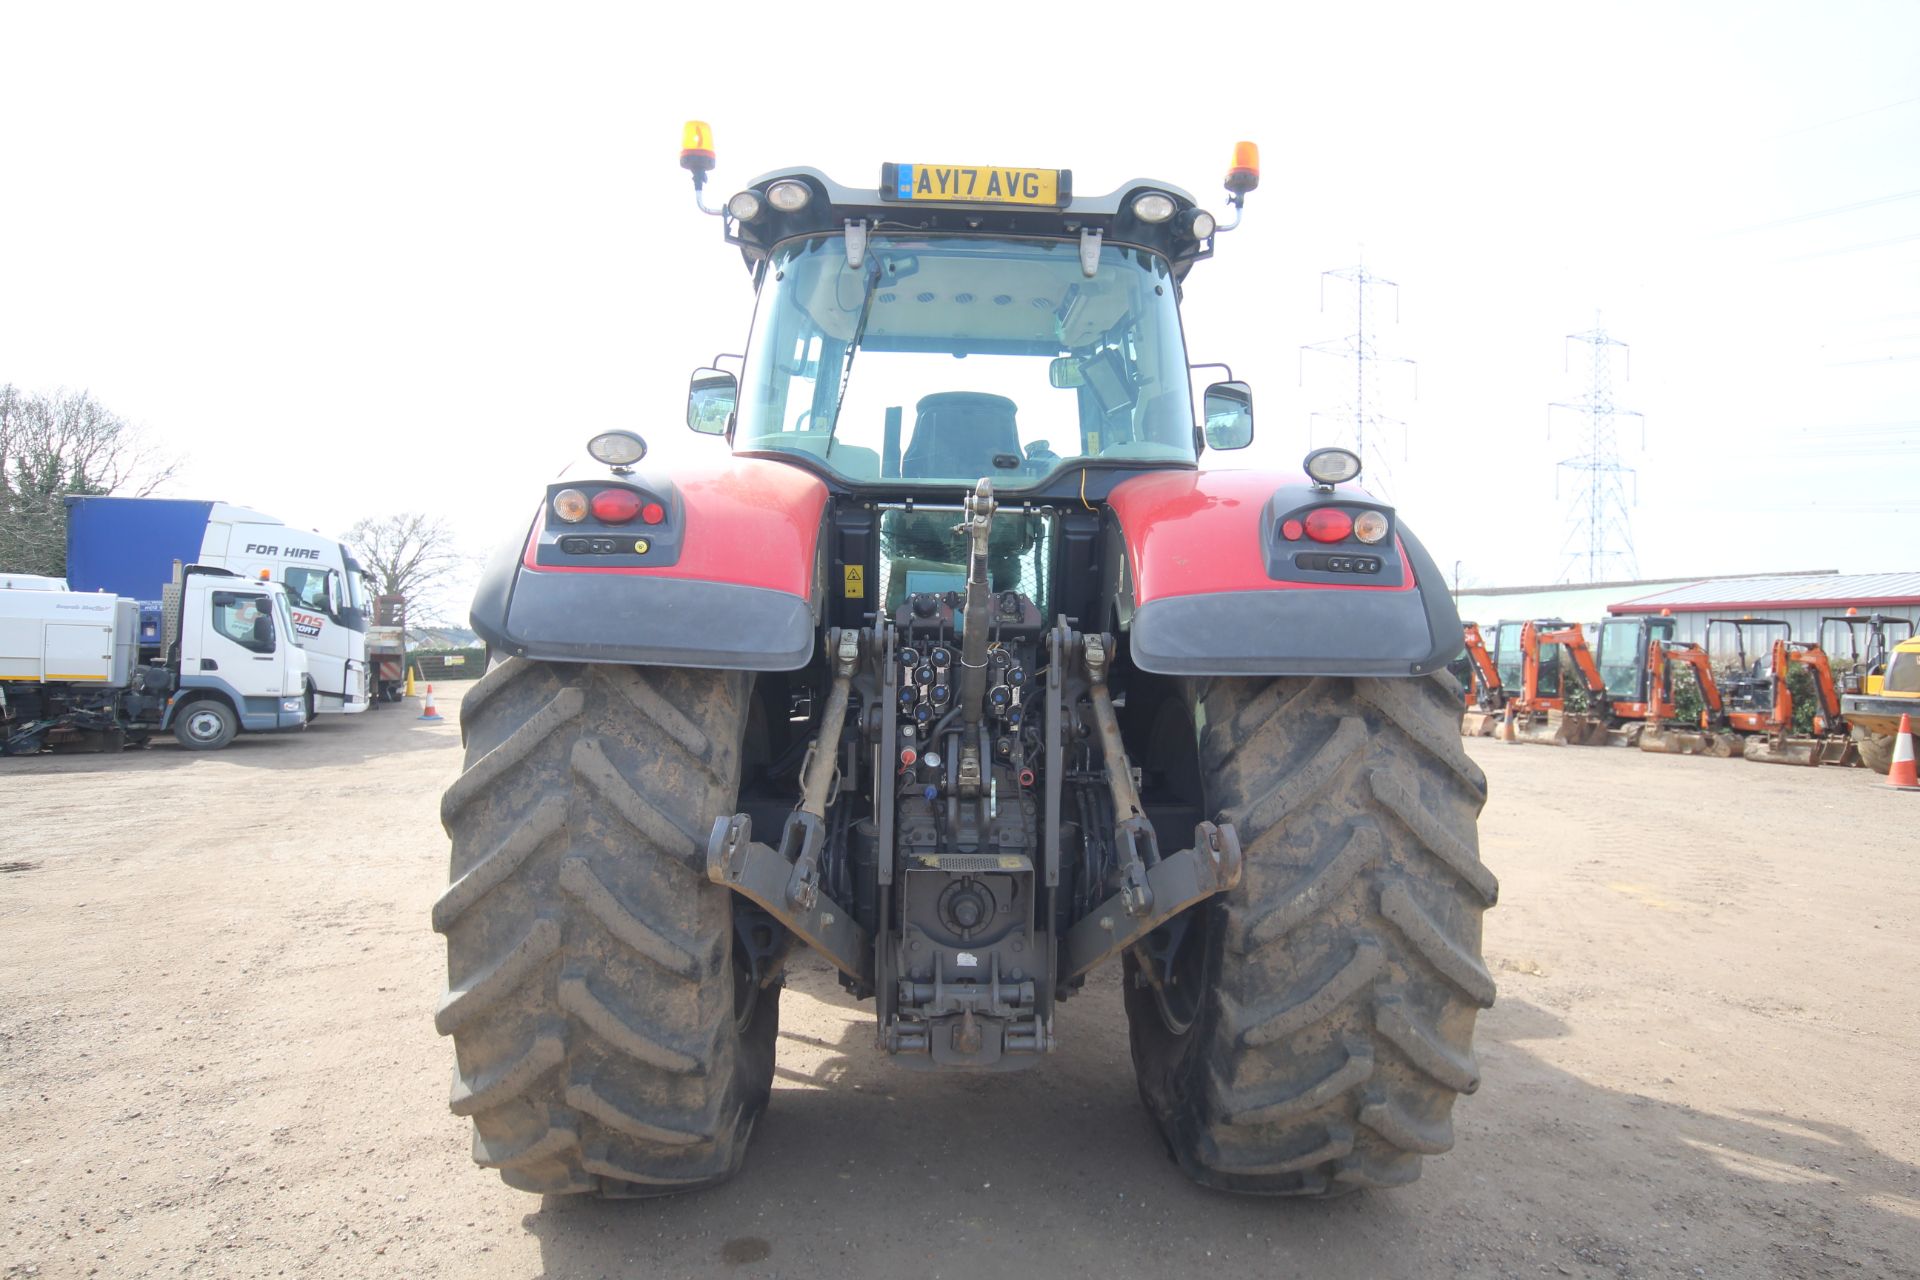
{"x": 608, "y": 1035}
{"x": 1315, "y": 1024}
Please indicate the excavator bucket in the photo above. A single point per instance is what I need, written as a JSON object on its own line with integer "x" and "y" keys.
{"x": 1627, "y": 735}
{"x": 1725, "y": 746}
{"x": 1557, "y": 729}
{"x": 1549, "y": 730}
{"x": 1479, "y": 724}
{"x": 1780, "y": 750}
{"x": 1589, "y": 731}
{"x": 1674, "y": 741}
{"x": 1840, "y": 751}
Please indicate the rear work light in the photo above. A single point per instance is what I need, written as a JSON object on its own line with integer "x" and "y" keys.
{"x": 615, "y": 506}
{"x": 1328, "y": 524}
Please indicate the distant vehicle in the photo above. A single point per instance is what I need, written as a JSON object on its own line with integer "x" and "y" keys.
{"x": 1874, "y": 713}
{"x": 31, "y": 582}
{"x": 72, "y": 675}
{"x": 128, "y": 546}
{"x": 387, "y": 648}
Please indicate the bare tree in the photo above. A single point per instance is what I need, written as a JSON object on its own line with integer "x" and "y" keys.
{"x": 411, "y": 555}
{"x": 60, "y": 444}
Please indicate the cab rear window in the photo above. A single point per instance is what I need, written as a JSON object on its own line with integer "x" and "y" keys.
{"x": 1903, "y": 673}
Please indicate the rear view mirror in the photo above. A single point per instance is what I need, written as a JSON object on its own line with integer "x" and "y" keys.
{"x": 711, "y": 400}
{"x": 1229, "y": 415}
{"x": 1066, "y": 372}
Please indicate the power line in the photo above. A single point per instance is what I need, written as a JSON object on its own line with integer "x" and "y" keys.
{"x": 1870, "y": 111}
{"x": 1360, "y": 423}
{"x": 1825, "y": 213}
{"x": 1599, "y": 540}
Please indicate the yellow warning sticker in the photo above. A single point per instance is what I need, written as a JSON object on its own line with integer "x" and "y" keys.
{"x": 856, "y": 582}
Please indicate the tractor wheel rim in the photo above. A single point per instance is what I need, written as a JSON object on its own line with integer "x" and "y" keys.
{"x": 745, "y": 992}
{"x": 1183, "y": 987}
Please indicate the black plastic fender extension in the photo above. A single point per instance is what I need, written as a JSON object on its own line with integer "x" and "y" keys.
{"x": 1301, "y": 631}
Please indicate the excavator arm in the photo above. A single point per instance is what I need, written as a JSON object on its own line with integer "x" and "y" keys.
{"x": 1492, "y": 694}
{"x": 1574, "y": 640}
{"x": 1814, "y": 659}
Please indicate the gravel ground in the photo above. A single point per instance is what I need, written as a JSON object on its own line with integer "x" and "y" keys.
{"x": 217, "y": 1055}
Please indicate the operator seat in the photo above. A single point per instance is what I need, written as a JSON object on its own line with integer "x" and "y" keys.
{"x": 956, "y": 435}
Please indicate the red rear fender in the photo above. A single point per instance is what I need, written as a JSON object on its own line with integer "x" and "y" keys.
{"x": 726, "y": 577}
{"x": 1214, "y": 584}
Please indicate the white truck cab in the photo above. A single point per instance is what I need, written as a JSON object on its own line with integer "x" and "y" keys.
{"x": 325, "y": 591}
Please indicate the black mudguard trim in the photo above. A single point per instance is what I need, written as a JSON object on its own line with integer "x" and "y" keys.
{"x": 1302, "y": 632}
{"x": 644, "y": 620}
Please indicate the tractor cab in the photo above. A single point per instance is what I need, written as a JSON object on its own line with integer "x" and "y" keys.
{"x": 960, "y": 322}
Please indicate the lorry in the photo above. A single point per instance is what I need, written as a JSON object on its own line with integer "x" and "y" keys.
{"x": 73, "y": 675}
{"x": 127, "y": 546}
{"x": 387, "y": 649}
{"x": 963, "y": 670}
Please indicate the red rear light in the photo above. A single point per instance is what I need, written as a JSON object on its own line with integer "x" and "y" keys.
{"x": 653, "y": 513}
{"x": 616, "y": 506}
{"x": 1290, "y": 530}
{"x": 1328, "y": 524}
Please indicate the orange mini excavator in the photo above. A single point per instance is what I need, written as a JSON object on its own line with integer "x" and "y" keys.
{"x": 1486, "y": 696}
{"x": 1831, "y": 741}
{"x": 1665, "y": 732}
{"x": 1538, "y": 713}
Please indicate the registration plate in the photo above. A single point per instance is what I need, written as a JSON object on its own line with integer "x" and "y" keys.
{"x": 976, "y": 184}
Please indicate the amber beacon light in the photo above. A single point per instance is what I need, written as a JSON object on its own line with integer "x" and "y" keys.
{"x": 1244, "y": 176}
{"x": 696, "y": 149}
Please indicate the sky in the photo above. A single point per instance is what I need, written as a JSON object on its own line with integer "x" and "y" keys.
{"x": 359, "y": 259}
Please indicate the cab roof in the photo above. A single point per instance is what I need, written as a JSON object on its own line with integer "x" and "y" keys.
{"x": 832, "y": 206}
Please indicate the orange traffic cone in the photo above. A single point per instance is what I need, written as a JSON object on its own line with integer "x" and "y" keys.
{"x": 430, "y": 711}
{"x": 1902, "y": 774}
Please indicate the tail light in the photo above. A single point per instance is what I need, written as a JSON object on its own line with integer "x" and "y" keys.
{"x": 1328, "y": 524}
{"x": 616, "y": 506}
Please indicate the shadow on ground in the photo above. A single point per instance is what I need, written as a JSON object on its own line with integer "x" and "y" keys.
{"x": 861, "y": 1167}
{"x": 329, "y": 740}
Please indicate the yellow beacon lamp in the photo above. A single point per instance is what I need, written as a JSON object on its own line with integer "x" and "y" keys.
{"x": 1243, "y": 177}
{"x": 697, "y": 158}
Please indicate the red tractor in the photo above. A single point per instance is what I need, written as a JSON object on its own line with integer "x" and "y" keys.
{"x": 963, "y": 672}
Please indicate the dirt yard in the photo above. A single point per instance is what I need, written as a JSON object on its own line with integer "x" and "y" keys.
{"x": 217, "y": 1055}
